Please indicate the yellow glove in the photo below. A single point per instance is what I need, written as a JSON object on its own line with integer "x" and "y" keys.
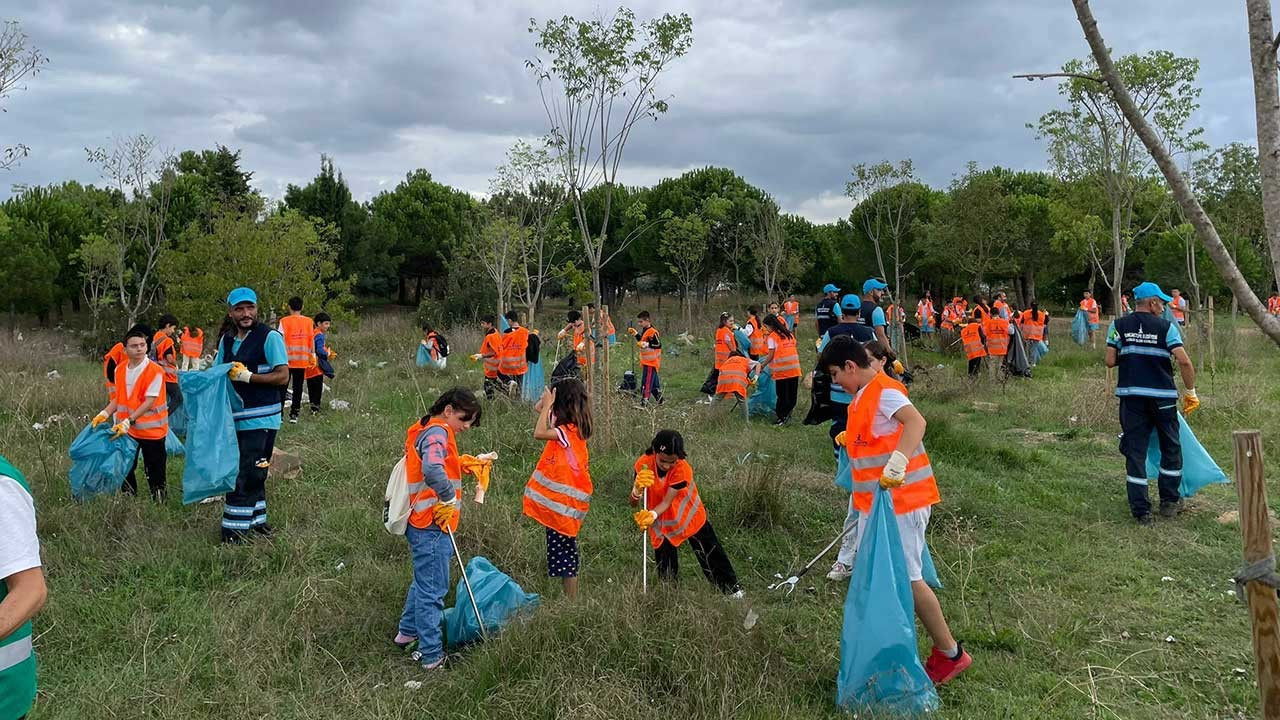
{"x": 895, "y": 471}
{"x": 1190, "y": 402}
{"x": 239, "y": 373}
{"x": 119, "y": 429}
{"x": 631, "y": 331}
{"x": 840, "y": 438}
{"x": 477, "y": 357}
{"x": 582, "y": 345}
{"x": 332, "y": 355}
{"x": 645, "y": 518}
{"x": 644, "y": 480}
{"x": 898, "y": 367}
{"x": 444, "y": 512}
{"x": 98, "y": 420}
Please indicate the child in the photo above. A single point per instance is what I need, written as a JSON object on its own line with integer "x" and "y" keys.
{"x": 886, "y": 427}
{"x": 164, "y": 350}
{"x": 783, "y": 361}
{"x": 514, "y": 351}
{"x": 735, "y": 374}
{"x": 192, "y": 348}
{"x": 975, "y": 347}
{"x": 558, "y": 493}
{"x": 842, "y": 568}
{"x": 650, "y": 358}
{"x": 140, "y": 408}
{"x": 575, "y": 328}
{"x": 429, "y": 354}
{"x": 775, "y": 309}
{"x": 755, "y": 332}
{"x": 792, "y": 310}
{"x": 491, "y": 354}
{"x": 673, "y": 513}
{"x": 323, "y": 367}
{"x": 432, "y": 464}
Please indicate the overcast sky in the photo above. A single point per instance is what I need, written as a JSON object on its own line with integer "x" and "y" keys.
{"x": 788, "y": 94}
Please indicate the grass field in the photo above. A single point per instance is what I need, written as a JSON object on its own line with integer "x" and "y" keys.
{"x": 1065, "y": 604}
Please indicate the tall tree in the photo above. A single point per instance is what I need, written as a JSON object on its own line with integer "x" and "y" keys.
{"x": 974, "y": 228}
{"x": 498, "y": 243}
{"x": 684, "y": 248}
{"x": 18, "y": 60}
{"x": 28, "y": 265}
{"x": 328, "y": 199}
{"x": 529, "y": 189}
{"x": 772, "y": 248}
{"x": 422, "y": 220}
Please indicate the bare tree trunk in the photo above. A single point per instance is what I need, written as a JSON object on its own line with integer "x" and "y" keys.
{"x": 1267, "y": 104}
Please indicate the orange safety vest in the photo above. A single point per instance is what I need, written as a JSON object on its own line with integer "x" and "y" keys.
{"x": 924, "y": 313}
{"x": 997, "y": 329}
{"x": 791, "y": 308}
{"x": 117, "y": 354}
{"x": 1178, "y": 306}
{"x": 580, "y": 347}
{"x": 650, "y": 356}
{"x": 686, "y": 514}
{"x": 786, "y": 359}
{"x": 1273, "y": 305}
{"x": 1032, "y": 326}
{"x": 758, "y": 348}
{"x": 725, "y": 344}
{"x": 154, "y": 424}
{"x": 733, "y": 377}
{"x": 558, "y": 493}
{"x": 514, "y": 345}
{"x": 491, "y": 347}
{"x": 313, "y": 370}
{"x": 1090, "y": 306}
{"x": 163, "y": 345}
{"x": 298, "y": 331}
{"x": 971, "y": 336}
{"x": 421, "y": 497}
{"x": 998, "y": 306}
{"x": 951, "y": 316}
{"x": 192, "y": 345}
{"x": 869, "y": 454}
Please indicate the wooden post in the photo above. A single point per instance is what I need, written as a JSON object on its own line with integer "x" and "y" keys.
{"x": 1255, "y": 526}
{"x": 1213, "y": 360}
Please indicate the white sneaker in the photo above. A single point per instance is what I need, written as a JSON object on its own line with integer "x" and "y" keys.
{"x": 739, "y": 595}
{"x": 839, "y": 571}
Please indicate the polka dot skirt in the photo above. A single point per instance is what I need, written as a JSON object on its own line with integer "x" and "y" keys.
{"x": 562, "y": 555}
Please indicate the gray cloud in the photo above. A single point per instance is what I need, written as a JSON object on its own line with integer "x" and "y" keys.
{"x": 790, "y": 94}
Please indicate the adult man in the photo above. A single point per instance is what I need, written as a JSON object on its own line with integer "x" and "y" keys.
{"x": 870, "y": 313}
{"x": 298, "y": 331}
{"x": 259, "y": 369}
{"x": 828, "y": 310}
{"x": 1000, "y": 306}
{"x": 1178, "y": 306}
{"x": 1143, "y": 344}
{"x": 514, "y": 363}
{"x": 22, "y": 592}
{"x": 1094, "y": 315}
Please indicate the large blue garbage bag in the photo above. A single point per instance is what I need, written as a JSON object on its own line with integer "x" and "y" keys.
{"x": 497, "y": 596}
{"x": 213, "y": 455}
{"x": 534, "y": 382}
{"x": 844, "y": 481}
{"x": 98, "y": 463}
{"x": 1198, "y": 468}
{"x": 172, "y": 445}
{"x": 744, "y": 341}
{"x": 1080, "y": 327}
{"x": 1039, "y": 349}
{"x": 764, "y": 399}
{"x": 424, "y": 356}
{"x": 178, "y": 415}
{"x": 880, "y": 669}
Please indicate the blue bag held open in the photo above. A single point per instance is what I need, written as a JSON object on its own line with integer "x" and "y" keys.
{"x": 213, "y": 454}
{"x": 764, "y": 400}
{"x": 98, "y": 463}
{"x": 173, "y": 447}
{"x": 1198, "y": 468}
{"x": 497, "y": 596}
{"x": 1080, "y": 327}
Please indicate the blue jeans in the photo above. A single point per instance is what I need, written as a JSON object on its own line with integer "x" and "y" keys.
{"x": 424, "y": 603}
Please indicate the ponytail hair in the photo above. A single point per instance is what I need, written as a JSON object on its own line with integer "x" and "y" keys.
{"x": 777, "y": 326}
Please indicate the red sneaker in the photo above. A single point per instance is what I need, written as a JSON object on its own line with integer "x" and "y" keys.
{"x": 941, "y": 668}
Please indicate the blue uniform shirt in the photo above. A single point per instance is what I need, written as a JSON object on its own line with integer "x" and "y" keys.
{"x": 1144, "y": 345}
{"x": 276, "y": 356}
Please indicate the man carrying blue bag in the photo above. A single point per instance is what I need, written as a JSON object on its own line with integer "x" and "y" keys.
{"x": 259, "y": 368}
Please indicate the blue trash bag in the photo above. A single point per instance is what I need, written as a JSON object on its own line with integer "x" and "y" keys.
{"x": 213, "y": 454}
{"x": 844, "y": 481}
{"x": 1168, "y": 314}
{"x": 1198, "y": 469}
{"x": 1080, "y": 327}
{"x": 173, "y": 447}
{"x": 424, "y": 357}
{"x": 178, "y": 416}
{"x": 1039, "y": 349}
{"x": 744, "y": 341}
{"x": 764, "y": 400}
{"x": 98, "y": 463}
{"x": 497, "y": 596}
{"x": 880, "y": 669}
{"x": 534, "y": 382}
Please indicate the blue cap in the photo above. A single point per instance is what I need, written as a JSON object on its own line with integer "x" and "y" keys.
{"x": 851, "y": 302}
{"x": 242, "y": 295}
{"x": 830, "y": 288}
{"x": 1150, "y": 290}
{"x": 873, "y": 284}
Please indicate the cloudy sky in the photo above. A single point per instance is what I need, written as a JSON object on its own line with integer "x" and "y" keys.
{"x": 788, "y": 94}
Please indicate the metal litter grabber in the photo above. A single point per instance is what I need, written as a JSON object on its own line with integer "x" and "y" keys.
{"x": 790, "y": 583}
{"x": 465, "y": 581}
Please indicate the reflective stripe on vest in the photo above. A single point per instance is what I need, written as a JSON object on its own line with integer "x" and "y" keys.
{"x": 298, "y": 331}
{"x": 421, "y": 497}
{"x": 154, "y": 423}
{"x": 972, "y": 341}
{"x": 512, "y": 360}
{"x": 192, "y": 345}
{"x": 733, "y": 377}
{"x": 649, "y": 355}
{"x": 15, "y": 652}
{"x": 558, "y": 493}
{"x": 725, "y": 344}
{"x": 997, "y": 336}
{"x": 869, "y": 454}
{"x": 786, "y": 359}
{"x": 758, "y": 347}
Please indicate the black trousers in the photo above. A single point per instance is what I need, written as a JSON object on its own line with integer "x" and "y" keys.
{"x": 787, "y": 391}
{"x": 1139, "y": 416}
{"x": 245, "y": 508}
{"x": 154, "y": 458}
{"x": 711, "y": 557}
{"x": 492, "y": 385}
{"x": 975, "y": 366}
{"x": 315, "y": 389}
{"x": 296, "y": 376}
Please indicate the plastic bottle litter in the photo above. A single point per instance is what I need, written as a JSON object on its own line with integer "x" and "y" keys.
{"x": 339, "y": 405}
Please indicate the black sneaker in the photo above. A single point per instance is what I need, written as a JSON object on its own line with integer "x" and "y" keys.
{"x": 264, "y": 530}
{"x": 1170, "y": 509}
{"x": 1145, "y": 520}
{"x": 293, "y": 419}
{"x": 779, "y": 422}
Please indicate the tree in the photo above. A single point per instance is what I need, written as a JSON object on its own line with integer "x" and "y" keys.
{"x": 1229, "y": 185}
{"x": 18, "y": 60}
{"x": 98, "y": 260}
{"x": 28, "y": 265}
{"x": 144, "y": 177}
{"x": 772, "y": 248}
{"x": 684, "y": 248}
{"x": 1091, "y": 138}
{"x": 599, "y": 81}
{"x": 530, "y": 189}
{"x": 499, "y": 244}
{"x": 421, "y": 221}
{"x": 363, "y": 255}
{"x": 974, "y": 227}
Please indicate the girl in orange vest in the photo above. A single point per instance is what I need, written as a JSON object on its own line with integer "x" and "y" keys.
{"x": 783, "y": 362}
{"x": 558, "y": 493}
{"x": 884, "y": 438}
{"x": 433, "y": 470}
{"x": 192, "y": 347}
{"x": 755, "y": 332}
{"x": 140, "y": 409}
{"x": 576, "y": 329}
{"x": 675, "y": 513}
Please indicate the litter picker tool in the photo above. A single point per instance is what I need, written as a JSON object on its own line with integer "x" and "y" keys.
{"x": 790, "y": 583}
{"x": 471, "y": 595}
{"x": 644, "y": 546}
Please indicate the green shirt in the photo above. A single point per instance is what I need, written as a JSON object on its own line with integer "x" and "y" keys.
{"x": 17, "y": 659}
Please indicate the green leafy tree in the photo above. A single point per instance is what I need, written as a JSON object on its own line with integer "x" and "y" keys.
{"x": 422, "y": 221}
{"x": 19, "y": 60}
{"x": 529, "y": 189}
{"x": 362, "y": 255}
{"x": 684, "y": 249}
{"x": 28, "y": 265}
{"x": 974, "y": 228}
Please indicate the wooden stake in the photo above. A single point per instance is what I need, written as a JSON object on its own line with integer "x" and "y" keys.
{"x": 1255, "y": 527}
{"x": 1213, "y": 360}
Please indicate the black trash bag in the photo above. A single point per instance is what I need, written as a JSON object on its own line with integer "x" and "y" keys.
{"x": 565, "y": 369}
{"x": 709, "y": 385}
{"x": 628, "y": 384}
{"x": 821, "y": 409}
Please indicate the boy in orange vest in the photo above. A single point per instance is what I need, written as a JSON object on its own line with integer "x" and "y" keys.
{"x": 433, "y": 470}
{"x": 491, "y": 354}
{"x": 884, "y": 438}
{"x": 140, "y": 408}
{"x": 650, "y": 358}
{"x": 675, "y": 513}
{"x": 298, "y": 331}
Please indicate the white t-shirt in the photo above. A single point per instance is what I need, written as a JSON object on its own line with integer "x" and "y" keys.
{"x": 131, "y": 375}
{"x": 19, "y": 548}
{"x": 891, "y": 401}
{"x": 772, "y": 343}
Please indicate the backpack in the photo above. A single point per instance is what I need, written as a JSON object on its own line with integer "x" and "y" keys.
{"x": 533, "y": 351}
{"x": 442, "y": 345}
{"x": 395, "y": 502}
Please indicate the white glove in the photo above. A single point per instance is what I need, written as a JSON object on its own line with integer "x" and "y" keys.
{"x": 896, "y": 468}
{"x": 581, "y": 345}
{"x": 1190, "y": 393}
{"x": 239, "y": 373}
{"x": 491, "y": 455}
